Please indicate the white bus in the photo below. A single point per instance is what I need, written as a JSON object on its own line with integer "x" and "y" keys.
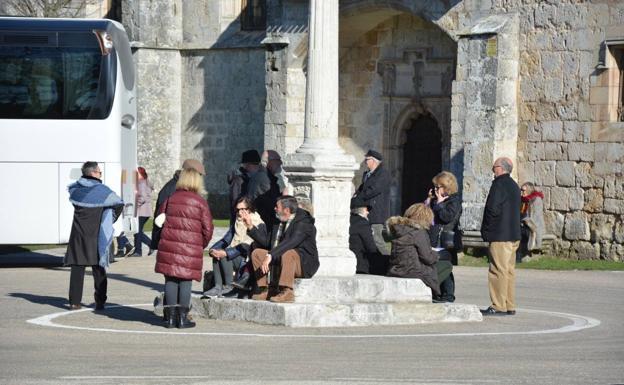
{"x": 67, "y": 95}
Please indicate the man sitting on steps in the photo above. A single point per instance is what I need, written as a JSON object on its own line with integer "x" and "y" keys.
{"x": 290, "y": 244}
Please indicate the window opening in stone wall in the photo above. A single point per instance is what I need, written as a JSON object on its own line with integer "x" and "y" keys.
{"x": 253, "y": 15}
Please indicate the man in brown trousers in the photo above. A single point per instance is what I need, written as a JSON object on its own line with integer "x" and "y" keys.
{"x": 501, "y": 228}
{"x": 290, "y": 243}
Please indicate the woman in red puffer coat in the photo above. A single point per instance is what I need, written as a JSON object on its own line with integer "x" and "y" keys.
{"x": 185, "y": 234}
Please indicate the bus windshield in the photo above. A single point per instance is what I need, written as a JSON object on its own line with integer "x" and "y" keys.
{"x": 56, "y": 82}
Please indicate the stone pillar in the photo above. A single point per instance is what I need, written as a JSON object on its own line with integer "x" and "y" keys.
{"x": 320, "y": 171}
{"x": 484, "y": 112}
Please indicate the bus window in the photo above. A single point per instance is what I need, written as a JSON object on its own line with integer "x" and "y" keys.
{"x": 56, "y": 83}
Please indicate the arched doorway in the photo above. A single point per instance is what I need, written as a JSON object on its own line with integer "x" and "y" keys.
{"x": 422, "y": 159}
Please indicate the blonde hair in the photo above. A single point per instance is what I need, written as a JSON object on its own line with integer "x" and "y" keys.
{"x": 446, "y": 180}
{"x": 420, "y": 214}
{"x": 530, "y": 187}
{"x": 191, "y": 180}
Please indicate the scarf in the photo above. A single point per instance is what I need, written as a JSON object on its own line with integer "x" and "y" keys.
{"x": 91, "y": 193}
{"x": 526, "y": 200}
{"x": 240, "y": 230}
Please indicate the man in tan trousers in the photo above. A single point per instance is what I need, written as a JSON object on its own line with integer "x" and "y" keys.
{"x": 501, "y": 228}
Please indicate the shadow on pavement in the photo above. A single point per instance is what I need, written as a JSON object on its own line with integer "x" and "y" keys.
{"x": 30, "y": 259}
{"x": 59, "y": 302}
{"x": 131, "y": 314}
{"x": 137, "y": 281}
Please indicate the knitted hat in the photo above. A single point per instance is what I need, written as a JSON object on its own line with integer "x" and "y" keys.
{"x": 195, "y": 165}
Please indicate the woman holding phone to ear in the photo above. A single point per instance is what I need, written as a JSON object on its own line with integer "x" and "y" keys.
{"x": 445, "y": 202}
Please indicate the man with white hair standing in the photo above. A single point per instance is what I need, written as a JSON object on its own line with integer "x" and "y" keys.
{"x": 375, "y": 192}
{"x": 501, "y": 228}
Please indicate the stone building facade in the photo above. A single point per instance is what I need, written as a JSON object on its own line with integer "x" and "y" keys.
{"x": 432, "y": 84}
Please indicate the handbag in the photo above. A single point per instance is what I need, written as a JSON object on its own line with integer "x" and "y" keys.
{"x": 450, "y": 239}
{"x": 447, "y": 239}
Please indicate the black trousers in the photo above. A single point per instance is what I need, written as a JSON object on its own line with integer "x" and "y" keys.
{"x": 76, "y": 283}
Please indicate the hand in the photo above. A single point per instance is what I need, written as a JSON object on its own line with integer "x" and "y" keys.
{"x": 217, "y": 253}
{"x": 265, "y": 265}
{"x": 439, "y": 197}
{"x": 246, "y": 219}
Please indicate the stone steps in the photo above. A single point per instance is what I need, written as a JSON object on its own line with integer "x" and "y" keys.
{"x": 361, "y": 300}
{"x": 334, "y": 314}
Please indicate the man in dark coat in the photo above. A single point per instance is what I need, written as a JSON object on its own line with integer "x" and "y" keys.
{"x": 375, "y": 192}
{"x": 361, "y": 240}
{"x": 259, "y": 186}
{"x": 96, "y": 208}
{"x": 501, "y": 228}
{"x": 291, "y": 244}
{"x": 168, "y": 189}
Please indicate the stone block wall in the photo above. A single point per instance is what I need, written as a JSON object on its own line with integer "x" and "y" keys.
{"x": 224, "y": 98}
{"x": 570, "y": 144}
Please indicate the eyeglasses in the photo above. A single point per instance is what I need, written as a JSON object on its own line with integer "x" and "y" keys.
{"x": 438, "y": 186}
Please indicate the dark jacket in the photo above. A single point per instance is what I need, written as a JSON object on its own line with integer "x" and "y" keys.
{"x": 258, "y": 191}
{"x": 238, "y": 182}
{"x": 265, "y": 201}
{"x": 361, "y": 242}
{"x": 299, "y": 236}
{"x": 501, "y": 217}
{"x": 375, "y": 192}
{"x": 82, "y": 248}
{"x": 446, "y": 218}
{"x": 412, "y": 256}
{"x": 168, "y": 189}
{"x": 185, "y": 234}
{"x": 240, "y": 250}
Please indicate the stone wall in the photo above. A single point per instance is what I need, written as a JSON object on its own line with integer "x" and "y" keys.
{"x": 567, "y": 146}
{"x": 223, "y": 113}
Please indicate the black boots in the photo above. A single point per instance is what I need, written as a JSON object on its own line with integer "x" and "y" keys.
{"x": 169, "y": 316}
{"x": 183, "y": 322}
{"x": 177, "y": 316}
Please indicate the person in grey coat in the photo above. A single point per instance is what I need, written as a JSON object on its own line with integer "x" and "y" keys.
{"x": 532, "y": 217}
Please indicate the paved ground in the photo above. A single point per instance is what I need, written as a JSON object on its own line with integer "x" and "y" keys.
{"x": 130, "y": 347}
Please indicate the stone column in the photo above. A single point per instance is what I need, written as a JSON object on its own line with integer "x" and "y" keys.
{"x": 320, "y": 171}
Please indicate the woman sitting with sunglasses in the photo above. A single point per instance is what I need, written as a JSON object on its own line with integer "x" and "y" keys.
{"x": 229, "y": 254}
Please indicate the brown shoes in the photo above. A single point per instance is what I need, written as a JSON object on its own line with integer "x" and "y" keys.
{"x": 287, "y": 295}
{"x": 263, "y": 294}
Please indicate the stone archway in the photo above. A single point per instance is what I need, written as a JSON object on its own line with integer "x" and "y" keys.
{"x": 395, "y": 65}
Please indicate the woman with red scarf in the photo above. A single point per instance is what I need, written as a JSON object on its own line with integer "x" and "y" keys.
{"x": 532, "y": 217}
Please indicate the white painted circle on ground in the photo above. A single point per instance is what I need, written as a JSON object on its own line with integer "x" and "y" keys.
{"x": 579, "y": 322}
